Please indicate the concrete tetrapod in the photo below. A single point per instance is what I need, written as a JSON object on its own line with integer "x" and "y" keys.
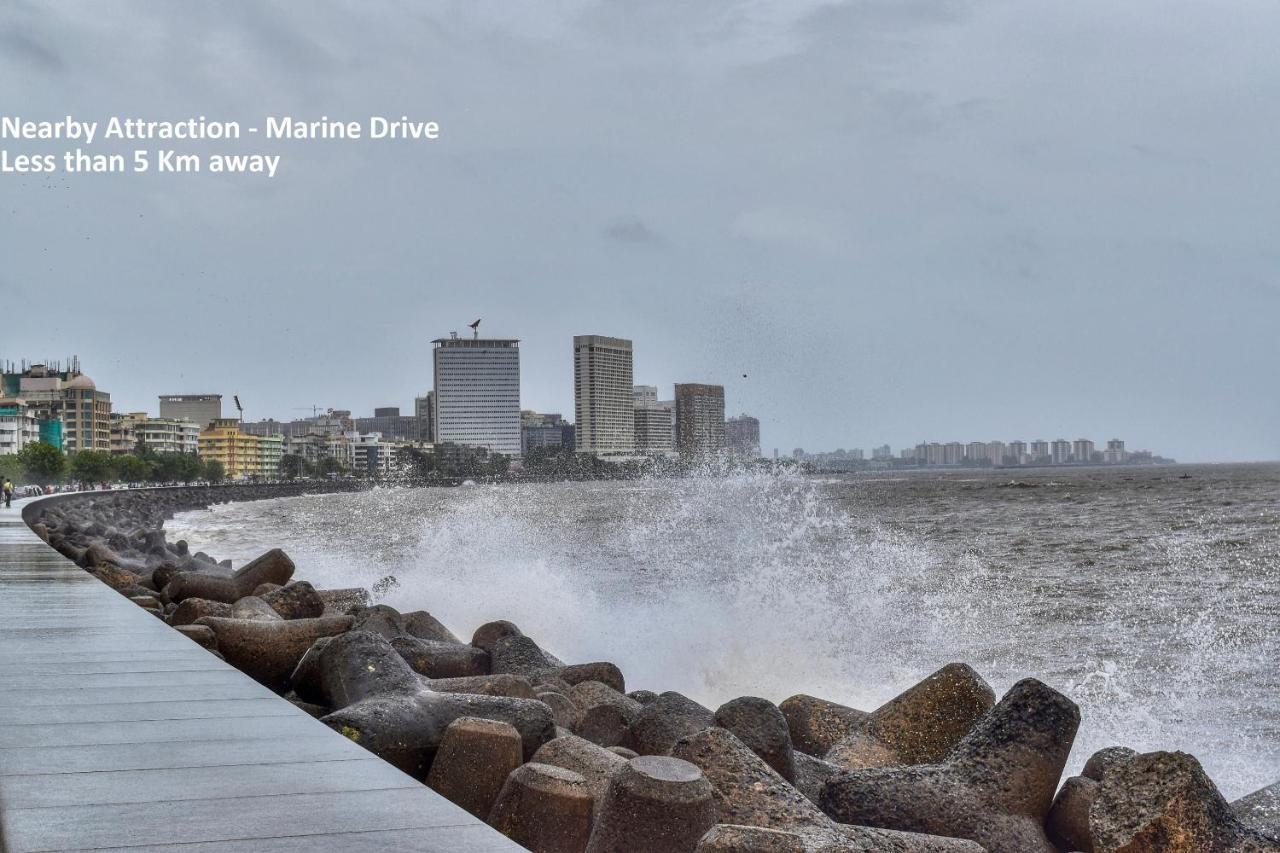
{"x": 1260, "y": 811}
{"x": 656, "y": 804}
{"x": 1068, "y": 822}
{"x": 818, "y": 724}
{"x": 920, "y": 725}
{"x": 594, "y": 763}
{"x": 473, "y": 762}
{"x": 1162, "y": 802}
{"x": 268, "y": 650}
{"x": 272, "y": 567}
{"x": 607, "y": 715}
{"x": 730, "y": 838}
{"x": 441, "y": 659}
{"x": 660, "y": 723}
{"x": 995, "y": 787}
{"x": 544, "y": 808}
{"x": 760, "y": 725}
{"x": 749, "y": 792}
{"x": 383, "y": 705}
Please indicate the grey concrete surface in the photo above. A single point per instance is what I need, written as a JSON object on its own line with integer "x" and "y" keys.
{"x": 116, "y": 732}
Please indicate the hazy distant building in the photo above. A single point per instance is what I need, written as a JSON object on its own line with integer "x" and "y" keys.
{"x": 995, "y": 452}
{"x": 975, "y": 452}
{"x": 934, "y": 453}
{"x": 1060, "y": 451}
{"x": 1040, "y": 451}
{"x": 423, "y": 411}
{"x": 389, "y": 424}
{"x": 200, "y": 409}
{"x": 743, "y": 436}
{"x": 477, "y": 393}
{"x": 884, "y": 451}
{"x": 699, "y": 418}
{"x": 541, "y": 432}
{"x": 602, "y": 395}
{"x": 1114, "y": 454}
{"x": 1017, "y": 452}
{"x": 1082, "y": 450}
{"x": 952, "y": 453}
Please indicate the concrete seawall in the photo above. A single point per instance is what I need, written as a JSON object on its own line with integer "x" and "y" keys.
{"x": 116, "y": 731}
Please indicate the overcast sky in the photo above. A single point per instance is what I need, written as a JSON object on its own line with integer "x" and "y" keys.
{"x": 903, "y": 220}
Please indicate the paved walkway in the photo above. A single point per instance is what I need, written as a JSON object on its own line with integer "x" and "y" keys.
{"x": 118, "y": 732}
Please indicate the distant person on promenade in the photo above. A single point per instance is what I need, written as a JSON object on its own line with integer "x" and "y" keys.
{"x": 8, "y": 492}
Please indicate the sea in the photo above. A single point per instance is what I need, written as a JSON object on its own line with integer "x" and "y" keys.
{"x": 1149, "y": 595}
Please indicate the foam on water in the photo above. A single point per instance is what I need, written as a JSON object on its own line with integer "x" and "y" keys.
{"x": 775, "y": 584}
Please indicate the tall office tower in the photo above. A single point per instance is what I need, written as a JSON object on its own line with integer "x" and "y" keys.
{"x": 1060, "y": 451}
{"x": 200, "y": 409}
{"x": 1082, "y": 450}
{"x": 602, "y": 395}
{"x": 477, "y": 393}
{"x": 699, "y": 418}
{"x": 743, "y": 435}
{"x": 423, "y": 411}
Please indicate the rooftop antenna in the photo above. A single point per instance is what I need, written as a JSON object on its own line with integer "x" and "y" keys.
{"x": 239, "y": 408}
{"x": 475, "y": 329}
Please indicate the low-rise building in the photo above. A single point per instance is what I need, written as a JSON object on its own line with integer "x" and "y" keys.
{"x": 243, "y": 455}
{"x": 18, "y": 426}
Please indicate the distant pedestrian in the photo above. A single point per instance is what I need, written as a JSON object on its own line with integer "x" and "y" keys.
{"x": 8, "y": 493}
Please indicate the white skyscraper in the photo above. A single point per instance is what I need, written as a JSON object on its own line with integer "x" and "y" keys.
{"x": 602, "y": 395}
{"x": 477, "y": 393}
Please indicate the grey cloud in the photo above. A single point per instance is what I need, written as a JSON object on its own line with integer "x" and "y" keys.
{"x": 632, "y": 231}
{"x": 21, "y": 48}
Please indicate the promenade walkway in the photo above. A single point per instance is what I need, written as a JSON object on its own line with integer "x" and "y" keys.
{"x": 116, "y": 732}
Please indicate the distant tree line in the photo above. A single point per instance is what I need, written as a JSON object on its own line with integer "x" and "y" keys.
{"x": 42, "y": 464}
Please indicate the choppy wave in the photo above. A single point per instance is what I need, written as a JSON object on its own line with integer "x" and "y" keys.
{"x": 774, "y": 584}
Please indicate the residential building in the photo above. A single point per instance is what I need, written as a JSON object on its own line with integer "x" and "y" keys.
{"x": 18, "y": 425}
{"x": 934, "y": 453}
{"x": 1082, "y": 450}
{"x": 313, "y": 447}
{"x": 602, "y": 395}
{"x": 68, "y": 396}
{"x": 1040, "y": 452}
{"x": 699, "y": 418}
{"x": 372, "y": 456}
{"x": 1017, "y": 452}
{"x": 161, "y": 435}
{"x": 477, "y": 393}
{"x": 243, "y": 456}
{"x": 884, "y": 451}
{"x": 743, "y": 436}
{"x": 200, "y": 409}
{"x": 952, "y": 453}
{"x": 975, "y": 452}
{"x": 1060, "y": 451}
{"x": 995, "y": 452}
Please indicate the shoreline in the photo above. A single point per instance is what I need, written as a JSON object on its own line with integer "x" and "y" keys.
{"x": 804, "y": 769}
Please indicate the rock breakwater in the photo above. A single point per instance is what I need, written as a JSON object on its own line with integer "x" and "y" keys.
{"x": 562, "y": 757}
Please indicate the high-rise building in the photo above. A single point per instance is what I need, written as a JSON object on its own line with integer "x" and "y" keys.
{"x": 884, "y": 451}
{"x": 389, "y": 424}
{"x": 975, "y": 452}
{"x": 200, "y": 409}
{"x": 995, "y": 452}
{"x": 934, "y": 453}
{"x": 424, "y": 411}
{"x": 743, "y": 436}
{"x": 602, "y": 395}
{"x": 1060, "y": 451}
{"x": 1082, "y": 450}
{"x": 643, "y": 396}
{"x": 477, "y": 393}
{"x": 1040, "y": 451}
{"x": 1017, "y": 452}
{"x": 1115, "y": 453}
{"x": 952, "y": 453}
{"x": 653, "y": 429}
{"x": 699, "y": 418}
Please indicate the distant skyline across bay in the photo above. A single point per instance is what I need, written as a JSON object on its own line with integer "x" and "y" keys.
{"x": 871, "y": 222}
